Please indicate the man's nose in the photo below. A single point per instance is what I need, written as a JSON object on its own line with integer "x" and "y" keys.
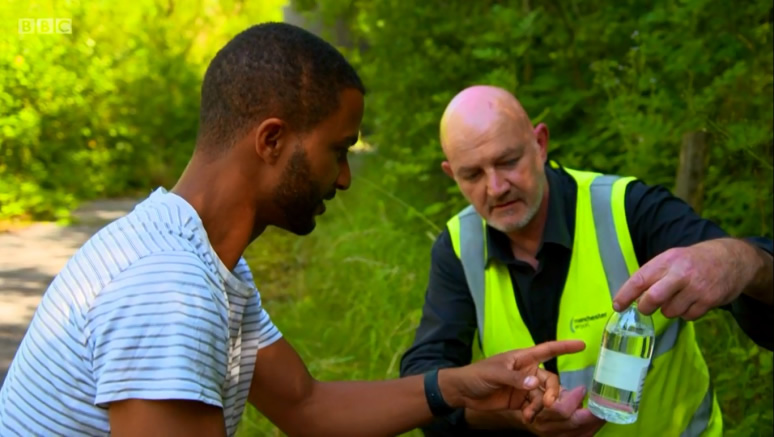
{"x": 345, "y": 176}
{"x": 496, "y": 185}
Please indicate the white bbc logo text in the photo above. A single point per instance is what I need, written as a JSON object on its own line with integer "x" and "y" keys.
{"x": 45, "y": 25}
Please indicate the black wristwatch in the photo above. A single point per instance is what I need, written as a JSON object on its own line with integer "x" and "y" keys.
{"x": 438, "y": 406}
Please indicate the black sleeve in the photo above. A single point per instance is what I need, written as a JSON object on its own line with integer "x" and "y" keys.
{"x": 659, "y": 221}
{"x": 752, "y": 315}
{"x": 445, "y": 334}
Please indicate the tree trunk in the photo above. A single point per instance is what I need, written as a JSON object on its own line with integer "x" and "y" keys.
{"x": 336, "y": 33}
{"x": 690, "y": 173}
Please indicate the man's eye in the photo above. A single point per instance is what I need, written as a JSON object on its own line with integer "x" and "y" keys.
{"x": 510, "y": 162}
{"x": 471, "y": 176}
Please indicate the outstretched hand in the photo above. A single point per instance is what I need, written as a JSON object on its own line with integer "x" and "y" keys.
{"x": 509, "y": 380}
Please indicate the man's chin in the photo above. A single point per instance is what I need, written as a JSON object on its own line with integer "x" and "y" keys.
{"x": 505, "y": 227}
{"x": 302, "y": 229}
{"x": 512, "y": 224}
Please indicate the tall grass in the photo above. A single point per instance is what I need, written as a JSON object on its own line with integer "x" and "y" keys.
{"x": 349, "y": 296}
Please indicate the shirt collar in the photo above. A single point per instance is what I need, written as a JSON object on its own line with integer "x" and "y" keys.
{"x": 557, "y": 230}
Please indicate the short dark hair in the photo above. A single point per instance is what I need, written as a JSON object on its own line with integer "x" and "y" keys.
{"x": 271, "y": 70}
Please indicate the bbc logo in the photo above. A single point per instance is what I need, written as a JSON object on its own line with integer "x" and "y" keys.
{"x": 45, "y": 25}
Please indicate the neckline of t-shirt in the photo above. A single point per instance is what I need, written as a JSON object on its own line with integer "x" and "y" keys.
{"x": 195, "y": 225}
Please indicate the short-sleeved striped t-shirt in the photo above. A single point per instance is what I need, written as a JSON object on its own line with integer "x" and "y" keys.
{"x": 144, "y": 310}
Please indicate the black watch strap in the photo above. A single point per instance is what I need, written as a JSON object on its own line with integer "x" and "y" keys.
{"x": 438, "y": 406}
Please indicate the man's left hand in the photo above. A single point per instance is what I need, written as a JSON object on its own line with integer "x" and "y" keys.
{"x": 687, "y": 282}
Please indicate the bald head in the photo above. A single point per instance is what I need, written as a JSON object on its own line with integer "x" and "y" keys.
{"x": 480, "y": 112}
{"x": 495, "y": 156}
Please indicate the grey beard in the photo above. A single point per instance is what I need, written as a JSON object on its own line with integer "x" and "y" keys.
{"x": 528, "y": 216}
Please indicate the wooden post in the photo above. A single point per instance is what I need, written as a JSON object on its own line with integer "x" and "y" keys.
{"x": 689, "y": 185}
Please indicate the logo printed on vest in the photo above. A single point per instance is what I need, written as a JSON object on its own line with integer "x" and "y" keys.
{"x": 585, "y": 321}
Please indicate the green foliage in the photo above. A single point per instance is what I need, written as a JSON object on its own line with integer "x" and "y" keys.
{"x": 347, "y": 297}
{"x": 741, "y": 374}
{"x": 618, "y": 84}
{"x": 110, "y": 109}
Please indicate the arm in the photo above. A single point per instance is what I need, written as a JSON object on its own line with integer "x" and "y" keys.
{"x": 154, "y": 377}
{"x": 170, "y": 418}
{"x": 761, "y": 270}
{"x": 690, "y": 265}
{"x": 444, "y": 337}
{"x": 751, "y": 316}
{"x": 286, "y": 393}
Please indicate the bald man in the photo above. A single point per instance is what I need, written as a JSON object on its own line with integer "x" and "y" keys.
{"x": 545, "y": 252}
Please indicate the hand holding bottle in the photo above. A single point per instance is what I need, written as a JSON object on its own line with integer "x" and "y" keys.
{"x": 687, "y": 282}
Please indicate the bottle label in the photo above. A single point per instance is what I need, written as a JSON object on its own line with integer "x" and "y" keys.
{"x": 621, "y": 371}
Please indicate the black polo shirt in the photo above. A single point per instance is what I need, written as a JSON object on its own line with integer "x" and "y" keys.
{"x": 657, "y": 222}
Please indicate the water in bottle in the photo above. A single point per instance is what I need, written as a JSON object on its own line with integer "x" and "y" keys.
{"x": 627, "y": 348}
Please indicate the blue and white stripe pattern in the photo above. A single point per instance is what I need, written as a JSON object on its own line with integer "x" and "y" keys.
{"x": 144, "y": 310}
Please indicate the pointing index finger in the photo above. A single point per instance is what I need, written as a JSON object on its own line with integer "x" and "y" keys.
{"x": 550, "y": 349}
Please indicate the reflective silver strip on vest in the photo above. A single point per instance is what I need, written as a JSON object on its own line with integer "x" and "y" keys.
{"x": 610, "y": 251}
{"x": 473, "y": 260}
{"x": 617, "y": 273}
{"x": 613, "y": 261}
{"x": 667, "y": 339}
{"x": 570, "y": 380}
{"x": 701, "y": 417}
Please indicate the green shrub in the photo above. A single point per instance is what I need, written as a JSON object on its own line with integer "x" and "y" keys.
{"x": 617, "y": 83}
{"x": 111, "y": 109}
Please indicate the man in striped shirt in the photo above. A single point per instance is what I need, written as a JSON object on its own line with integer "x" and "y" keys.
{"x": 154, "y": 327}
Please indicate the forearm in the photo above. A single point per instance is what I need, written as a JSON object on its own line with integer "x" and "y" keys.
{"x": 284, "y": 391}
{"x": 755, "y": 319}
{"x": 753, "y": 309}
{"x": 761, "y": 265}
{"x": 380, "y": 408}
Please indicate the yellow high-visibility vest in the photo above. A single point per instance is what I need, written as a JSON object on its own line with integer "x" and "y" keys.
{"x": 677, "y": 398}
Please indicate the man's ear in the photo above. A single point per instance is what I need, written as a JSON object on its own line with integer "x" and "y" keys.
{"x": 447, "y": 169}
{"x": 542, "y": 135}
{"x": 269, "y": 138}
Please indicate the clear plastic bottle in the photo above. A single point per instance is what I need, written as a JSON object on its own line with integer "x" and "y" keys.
{"x": 627, "y": 348}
